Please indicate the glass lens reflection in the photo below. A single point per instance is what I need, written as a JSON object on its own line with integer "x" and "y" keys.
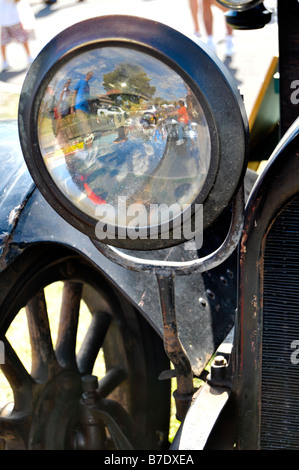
{"x": 117, "y": 123}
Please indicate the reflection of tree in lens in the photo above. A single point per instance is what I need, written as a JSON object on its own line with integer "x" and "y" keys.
{"x": 131, "y": 77}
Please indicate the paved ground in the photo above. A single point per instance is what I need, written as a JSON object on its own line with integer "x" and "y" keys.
{"x": 254, "y": 49}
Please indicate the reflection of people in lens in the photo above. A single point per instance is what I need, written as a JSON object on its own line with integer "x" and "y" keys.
{"x": 80, "y": 105}
{"x": 64, "y": 100}
{"x": 191, "y": 106}
{"x": 183, "y": 121}
{"x": 64, "y": 109}
{"x": 119, "y": 121}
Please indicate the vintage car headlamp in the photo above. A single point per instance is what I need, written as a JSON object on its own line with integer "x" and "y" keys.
{"x": 120, "y": 116}
{"x": 239, "y": 5}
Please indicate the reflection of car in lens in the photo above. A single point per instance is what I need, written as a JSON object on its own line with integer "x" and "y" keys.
{"x": 110, "y": 111}
{"x": 150, "y": 110}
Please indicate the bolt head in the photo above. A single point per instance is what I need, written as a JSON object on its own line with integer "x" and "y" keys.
{"x": 89, "y": 383}
{"x": 220, "y": 361}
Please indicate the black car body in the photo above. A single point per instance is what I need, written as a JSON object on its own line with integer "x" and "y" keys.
{"x": 233, "y": 299}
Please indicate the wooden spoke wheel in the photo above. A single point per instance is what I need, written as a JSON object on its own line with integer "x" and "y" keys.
{"x": 57, "y": 397}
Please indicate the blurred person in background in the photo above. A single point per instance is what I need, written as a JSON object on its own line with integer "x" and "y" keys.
{"x": 12, "y": 29}
{"x": 207, "y": 14}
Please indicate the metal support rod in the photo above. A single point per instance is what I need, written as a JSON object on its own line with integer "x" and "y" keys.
{"x": 181, "y": 268}
{"x": 172, "y": 344}
{"x": 97, "y": 414}
{"x": 165, "y": 272}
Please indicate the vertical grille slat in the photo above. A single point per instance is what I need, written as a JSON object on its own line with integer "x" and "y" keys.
{"x": 279, "y": 376}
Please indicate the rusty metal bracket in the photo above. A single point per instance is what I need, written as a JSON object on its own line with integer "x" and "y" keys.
{"x": 173, "y": 346}
{"x": 165, "y": 272}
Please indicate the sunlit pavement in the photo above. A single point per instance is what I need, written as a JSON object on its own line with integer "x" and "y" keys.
{"x": 248, "y": 66}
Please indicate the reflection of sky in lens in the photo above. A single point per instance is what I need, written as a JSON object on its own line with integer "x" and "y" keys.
{"x": 169, "y": 86}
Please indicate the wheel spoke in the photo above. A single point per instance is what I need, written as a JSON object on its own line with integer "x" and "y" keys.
{"x": 111, "y": 381}
{"x": 93, "y": 341}
{"x": 19, "y": 379}
{"x": 67, "y": 332}
{"x": 40, "y": 337}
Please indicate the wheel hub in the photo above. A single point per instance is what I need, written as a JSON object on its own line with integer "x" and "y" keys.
{"x": 56, "y": 412}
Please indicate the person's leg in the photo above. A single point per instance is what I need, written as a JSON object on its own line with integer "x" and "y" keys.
{"x": 208, "y": 16}
{"x": 83, "y": 121}
{"x": 230, "y": 47}
{"x": 5, "y": 64}
{"x": 4, "y": 41}
{"x": 181, "y": 128}
{"x": 19, "y": 34}
{"x": 208, "y": 21}
{"x": 229, "y": 29}
{"x": 26, "y": 47}
{"x": 3, "y": 52}
{"x": 180, "y": 131}
{"x": 193, "y": 4}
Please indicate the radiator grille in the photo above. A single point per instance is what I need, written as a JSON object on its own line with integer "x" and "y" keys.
{"x": 280, "y": 377}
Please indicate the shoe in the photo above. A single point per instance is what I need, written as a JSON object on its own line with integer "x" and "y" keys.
{"x": 30, "y": 60}
{"x": 197, "y": 36}
{"x": 229, "y": 47}
{"x": 210, "y": 44}
{"x": 179, "y": 142}
{"x": 5, "y": 66}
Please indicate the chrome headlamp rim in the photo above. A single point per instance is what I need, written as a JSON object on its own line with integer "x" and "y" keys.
{"x": 130, "y": 33}
{"x": 239, "y": 5}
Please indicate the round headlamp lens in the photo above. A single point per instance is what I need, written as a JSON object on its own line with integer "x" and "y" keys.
{"x": 126, "y": 128}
